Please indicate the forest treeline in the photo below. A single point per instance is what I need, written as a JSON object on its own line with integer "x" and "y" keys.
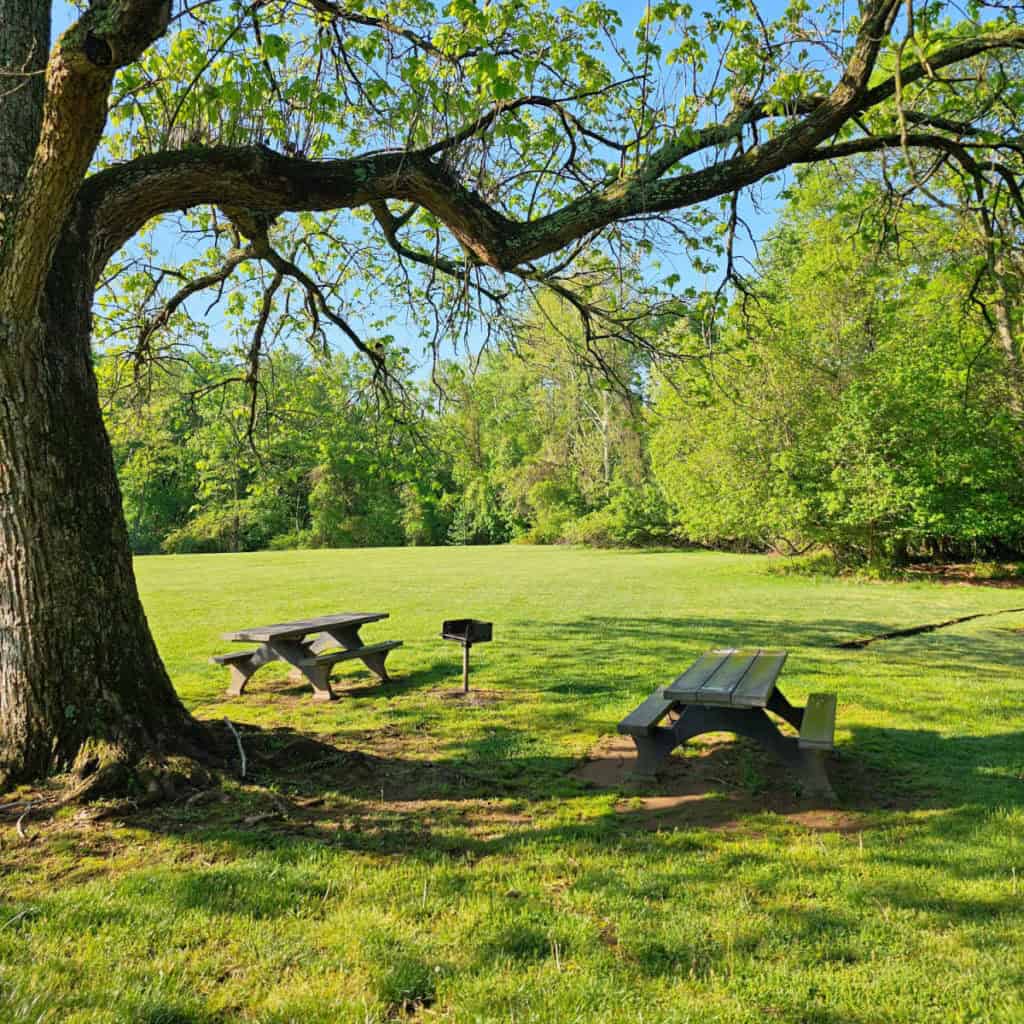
{"x": 862, "y": 391}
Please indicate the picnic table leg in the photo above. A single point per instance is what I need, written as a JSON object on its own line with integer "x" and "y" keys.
{"x": 778, "y": 705}
{"x": 807, "y": 765}
{"x": 375, "y": 663}
{"x": 814, "y": 776}
{"x": 652, "y": 750}
{"x": 241, "y": 671}
{"x": 319, "y": 675}
{"x": 348, "y": 637}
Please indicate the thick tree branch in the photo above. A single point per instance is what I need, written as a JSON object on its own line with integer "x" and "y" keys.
{"x": 120, "y": 200}
{"x": 123, "y": 198}
{"x": 948, "y": 56}
{"x": 720, "y": 134}
{"x": 78, "y": 79}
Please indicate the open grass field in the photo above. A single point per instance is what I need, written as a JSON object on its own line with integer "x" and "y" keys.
{"x": 404, "y": 854}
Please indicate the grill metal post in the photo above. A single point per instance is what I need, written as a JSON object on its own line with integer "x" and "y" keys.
{"x": 466, "y": 632}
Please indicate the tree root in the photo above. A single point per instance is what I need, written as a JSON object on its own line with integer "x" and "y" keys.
{"x": 146, "y": 782}
{"x": 108, "y": 771}
{"x": 125, "y": 777}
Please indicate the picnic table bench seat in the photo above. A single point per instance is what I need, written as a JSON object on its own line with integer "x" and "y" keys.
{"x": 332, "y": 657}
{"x": 730, "y": 691}
{"x": 643, "y": 720}
{"x": 231, "y": 656}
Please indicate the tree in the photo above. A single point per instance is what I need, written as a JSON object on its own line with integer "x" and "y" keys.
{"x": 861, "y": 397}
{"x": 544, "y": 435}
{"x": 510, "y": 147}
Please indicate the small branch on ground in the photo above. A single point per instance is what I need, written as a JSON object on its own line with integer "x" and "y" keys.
{"x": 241, "y": 749}
{"x": 21, "y": 827}
{"x": 928, "y": 627}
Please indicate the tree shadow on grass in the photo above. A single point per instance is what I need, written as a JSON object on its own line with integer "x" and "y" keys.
{"x": 683, "y": 634}
{"x": 981, "y": 658}
{"x": 356, "y": 683}
{"x": 443, "y": 807}
{"x": 274, "y": 842}
{"x": 309, "y": 798}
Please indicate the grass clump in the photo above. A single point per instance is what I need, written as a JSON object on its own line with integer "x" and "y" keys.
{"x": 402, "y": 980}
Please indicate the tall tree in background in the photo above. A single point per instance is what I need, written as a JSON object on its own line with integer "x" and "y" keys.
{"x": 484, "y": 147}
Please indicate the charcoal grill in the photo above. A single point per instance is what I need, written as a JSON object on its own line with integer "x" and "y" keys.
{"x": 467, "y": 632}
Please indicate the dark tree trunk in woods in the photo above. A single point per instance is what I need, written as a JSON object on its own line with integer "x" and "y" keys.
{"x": 80, "y": 676}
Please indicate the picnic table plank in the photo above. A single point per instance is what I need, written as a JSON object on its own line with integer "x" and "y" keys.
{"x": 685, "y": 686}
{"x": 819, "y": 725}
{"x": 301, "y": 627}
{"x": 231, "y": 656}
{"x": 643, "y": 719}
{"x": 756, "y": 686}
{"x": 719, "y": 688}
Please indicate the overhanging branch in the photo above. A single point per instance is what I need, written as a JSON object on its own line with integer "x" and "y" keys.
{"x": 123, "y": 198}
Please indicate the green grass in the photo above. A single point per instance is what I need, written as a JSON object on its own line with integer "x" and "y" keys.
{"x": 463, "y": 875}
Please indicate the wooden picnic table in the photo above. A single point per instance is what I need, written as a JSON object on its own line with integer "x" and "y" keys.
{"x": 731, "y": 690}
{"x": 307, "y": 644}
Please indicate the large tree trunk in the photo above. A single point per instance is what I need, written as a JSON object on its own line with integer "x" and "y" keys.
{"x": 81, "y": 682}
{"x": 24, "y": 47}
{"x": 80, "y": 677}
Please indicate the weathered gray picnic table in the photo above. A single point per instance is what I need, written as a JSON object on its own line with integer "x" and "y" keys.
{"x": 730, "y": 691}
{"x": 306, "y": 645}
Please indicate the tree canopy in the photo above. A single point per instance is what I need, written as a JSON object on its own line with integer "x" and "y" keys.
{"x": 859, "y": 397}
{"x": 405, "y": 174}
{"x": 855, "y": 395}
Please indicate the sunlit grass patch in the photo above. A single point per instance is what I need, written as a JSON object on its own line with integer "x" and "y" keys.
{"x": 405, "y": 854}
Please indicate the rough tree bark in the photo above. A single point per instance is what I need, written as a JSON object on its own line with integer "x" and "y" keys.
{"x": 81, "y": 682}
{"x": 24, "y": 47}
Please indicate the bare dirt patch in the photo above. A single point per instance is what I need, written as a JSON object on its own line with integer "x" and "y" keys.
{"x": 721, "y": 781}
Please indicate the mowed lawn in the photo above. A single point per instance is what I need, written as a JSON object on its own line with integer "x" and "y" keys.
{"x": 430, "y": 858}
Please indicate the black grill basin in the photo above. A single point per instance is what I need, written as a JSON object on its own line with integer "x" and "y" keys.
{"x": 467, "y": 631}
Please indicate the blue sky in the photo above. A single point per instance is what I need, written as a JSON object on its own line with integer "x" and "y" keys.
{"x": 631, "y": 11}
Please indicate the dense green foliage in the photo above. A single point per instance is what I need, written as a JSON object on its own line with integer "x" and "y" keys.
{"x": 325, "y": 465}
{"x": 528, "y": 446}
{"x": 855, "y": 397}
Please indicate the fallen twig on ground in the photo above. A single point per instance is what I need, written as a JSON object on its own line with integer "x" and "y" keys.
{"x": 20, "y": 825}
{"x": 928, "y": 627}
{"x": 241, "y": 749}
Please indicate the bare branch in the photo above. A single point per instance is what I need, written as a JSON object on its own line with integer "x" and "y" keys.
{"x": 234, "y": 259}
